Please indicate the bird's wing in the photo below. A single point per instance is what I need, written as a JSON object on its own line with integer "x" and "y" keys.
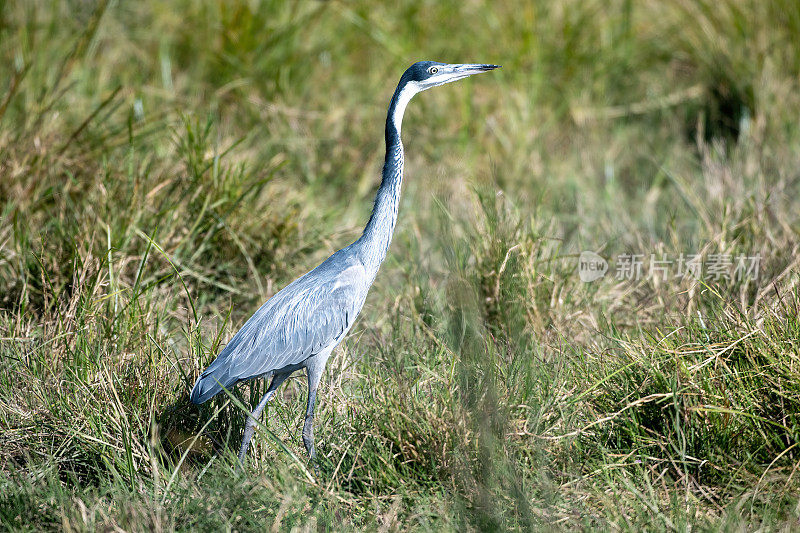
{"x": 301, "y": 320}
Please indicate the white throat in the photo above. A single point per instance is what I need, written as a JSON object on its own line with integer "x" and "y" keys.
{"x": 403, "y": 98}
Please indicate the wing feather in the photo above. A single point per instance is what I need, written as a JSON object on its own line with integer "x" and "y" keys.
{"x": 301, "y": 320}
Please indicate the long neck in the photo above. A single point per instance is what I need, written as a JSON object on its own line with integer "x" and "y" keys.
{"x": 378, "y": 232}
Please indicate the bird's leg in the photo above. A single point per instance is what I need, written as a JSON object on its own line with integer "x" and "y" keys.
{"x": 308, "y": 427}
{"x": 314, "y": 375}
{"x": 250, "y": 425}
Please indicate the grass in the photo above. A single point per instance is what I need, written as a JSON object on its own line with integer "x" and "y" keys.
{"x": 166, "y": 167}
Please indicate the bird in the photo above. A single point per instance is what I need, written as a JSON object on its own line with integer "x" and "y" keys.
{"x": 300, "y": 325}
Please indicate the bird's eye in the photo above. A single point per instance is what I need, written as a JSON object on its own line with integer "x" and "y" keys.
{"x": 433, "y": 70}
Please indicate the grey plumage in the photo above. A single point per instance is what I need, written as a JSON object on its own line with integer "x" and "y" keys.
{"x": 301, "y": 325}
{"x": 308, "y": 315}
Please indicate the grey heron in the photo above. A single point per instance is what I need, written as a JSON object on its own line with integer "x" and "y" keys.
{"x": 300, "y": 325}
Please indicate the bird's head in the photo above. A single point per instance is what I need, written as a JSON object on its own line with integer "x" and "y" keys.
{"x": 423, "y": 75}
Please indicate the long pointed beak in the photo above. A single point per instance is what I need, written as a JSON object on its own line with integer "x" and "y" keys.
{"x": 475, "y": 68}
{"x": 455, "y": 72}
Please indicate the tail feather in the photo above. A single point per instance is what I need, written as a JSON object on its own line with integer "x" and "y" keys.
{"x": 204, "y": 389}
{"x": 218, "y": 373}
{"x": 210, "y": 383}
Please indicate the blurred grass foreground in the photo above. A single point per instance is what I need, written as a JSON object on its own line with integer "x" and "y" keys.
{"x": 167, "y": 166}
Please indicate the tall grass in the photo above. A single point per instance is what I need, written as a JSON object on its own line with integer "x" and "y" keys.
{"x": 166, "y": 166}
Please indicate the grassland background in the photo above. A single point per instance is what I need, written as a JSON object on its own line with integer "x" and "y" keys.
{"x": 167, "y": 166}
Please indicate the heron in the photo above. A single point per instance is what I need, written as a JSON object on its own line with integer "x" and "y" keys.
{"x": 299, "y": 326}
